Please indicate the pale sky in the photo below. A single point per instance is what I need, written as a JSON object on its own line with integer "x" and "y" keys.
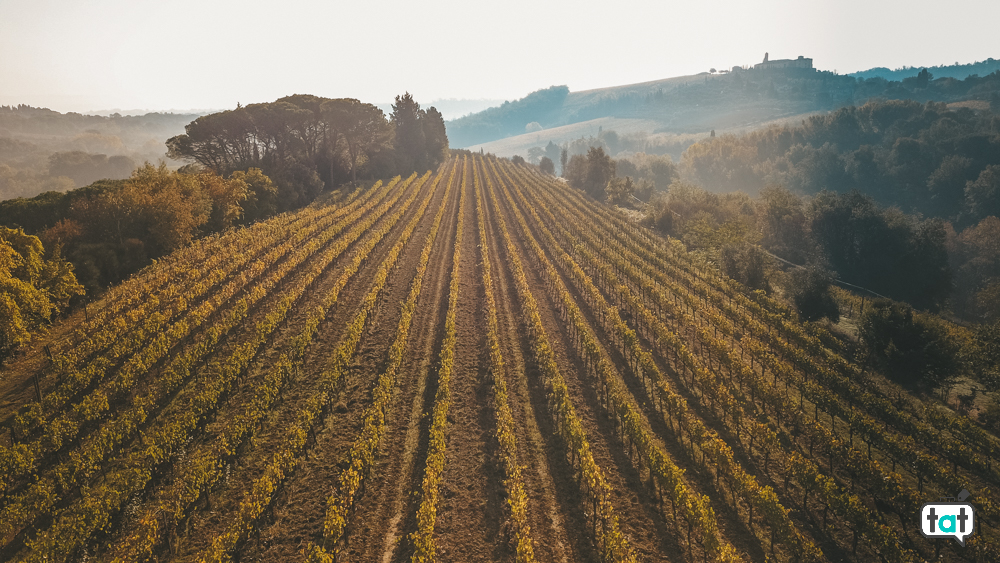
{"x": 72, "y": 55}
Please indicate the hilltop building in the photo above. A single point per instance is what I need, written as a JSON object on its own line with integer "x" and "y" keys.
{"x": 800, "y": 62}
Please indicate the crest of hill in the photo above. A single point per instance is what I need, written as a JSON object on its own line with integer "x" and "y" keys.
{"x": 555, "y": 106}
{"x": 682, "y": 105}
{"x": 583, "y": 98}
{"x": 957, "y": 71}
{"x": 727, "y": 100}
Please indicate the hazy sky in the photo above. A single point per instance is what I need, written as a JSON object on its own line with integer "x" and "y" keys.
{"x": 71, "y": 55}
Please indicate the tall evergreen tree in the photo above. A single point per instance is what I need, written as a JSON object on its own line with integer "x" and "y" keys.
{"x": 410, "y": 140}
{"x": 435, "y": 136}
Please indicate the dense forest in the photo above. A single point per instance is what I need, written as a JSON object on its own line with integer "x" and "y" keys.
{"x": 919, "y": 157}
{"x": 904, "y": 197}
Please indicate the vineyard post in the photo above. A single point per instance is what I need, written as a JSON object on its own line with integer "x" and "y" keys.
{"x": 831, "y": 463}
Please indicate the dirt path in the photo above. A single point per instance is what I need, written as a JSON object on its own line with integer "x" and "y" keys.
{"x": 547, "y": 514}
{"x": 299, "y": 511}
{"x": 470, "y": 511}
{"x": 342, "y": 422}
{"x": 378, "y": 520}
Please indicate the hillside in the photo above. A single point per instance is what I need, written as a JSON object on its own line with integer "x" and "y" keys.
{"x": 647, "y": 135}
{"x": 474, "y": 364}
{"x": 43, "y": 150}
{"x": 731, "y": 100}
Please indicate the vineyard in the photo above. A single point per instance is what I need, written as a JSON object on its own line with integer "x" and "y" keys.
{"x": 473, "y": 364}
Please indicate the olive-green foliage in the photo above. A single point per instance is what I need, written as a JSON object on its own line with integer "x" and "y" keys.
{"x": 659, "y": 171}
{"x": 974, "y": 255}
{"x": 911, "y": 348}
{"x": 747, "y": 264}
{"x": 658, "y": 214}
{"x": 359, "y": 130}
{"x": 705, "y": 220}
{"x": 547, "y": 166}
{"x": 420, "y": 139}
{"x": 985, "y": 355}
{"x": 982, "y": 196}
{"x": 163, "y": 209}
{"x": 880, "y": 249}
{"x": 110, "y": 229}
{"x": 902, "y": 153}
{"x": 883, "y": 250}
{"x": 304, "y": 142}
{"x": 809, "y": 289}
{"x": 261, "y": 201}
{"x": 591, "y": 173}
{"x": 620, "y": 190}
{"x": 32, "y": 287}
{"x": 784, "y": 225}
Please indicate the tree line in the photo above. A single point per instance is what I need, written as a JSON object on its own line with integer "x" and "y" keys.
{"x": 306, "y": 142}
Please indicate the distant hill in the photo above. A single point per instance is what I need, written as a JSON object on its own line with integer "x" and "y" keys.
{"x": 958, "y": 71}
{"x": 43, "y": 150}
{"x": 679, "y": 105}
{"x": 697, "y": 104}
{"x": 452, "y": 108}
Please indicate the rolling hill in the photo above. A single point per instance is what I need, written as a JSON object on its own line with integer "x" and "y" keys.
{"x": 673, "y": 109}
